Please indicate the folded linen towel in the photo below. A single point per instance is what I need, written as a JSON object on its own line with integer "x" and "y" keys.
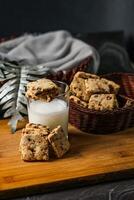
{"x": 56, "y": 50}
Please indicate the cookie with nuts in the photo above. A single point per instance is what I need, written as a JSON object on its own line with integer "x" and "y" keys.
{"x": 59, "y": 141}
{"x": 34, "y": 145}
{"x": 78, "y": 101}
{"x": 42, "y": 89}
{"x": 103, "y": 102}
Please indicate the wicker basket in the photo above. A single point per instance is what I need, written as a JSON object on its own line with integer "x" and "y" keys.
{"x": 106, "y": 122}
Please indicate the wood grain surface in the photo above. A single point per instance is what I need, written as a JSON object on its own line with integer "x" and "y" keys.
{"x": 92, "y": 158}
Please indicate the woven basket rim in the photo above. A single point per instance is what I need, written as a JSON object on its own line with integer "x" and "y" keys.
{"x": 117, "y": 73}
{"x": 102, "y": 112}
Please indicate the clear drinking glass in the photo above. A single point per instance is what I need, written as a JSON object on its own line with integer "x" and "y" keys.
{"x": 51, "y": 113}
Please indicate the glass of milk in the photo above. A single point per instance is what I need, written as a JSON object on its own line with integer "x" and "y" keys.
{"x": 51, "y": 113}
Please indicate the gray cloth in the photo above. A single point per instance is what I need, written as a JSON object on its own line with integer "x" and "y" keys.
{"x": 56, "y": 50}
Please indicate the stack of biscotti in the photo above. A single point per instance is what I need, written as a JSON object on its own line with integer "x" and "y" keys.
{"x": 37, "y": 141}
{"x": 93, "y": 92}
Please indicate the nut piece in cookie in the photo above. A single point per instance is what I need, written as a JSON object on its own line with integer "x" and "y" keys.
{"x": 78, "y": 101}
{"x": 42, "y": 89}
{"x": 59, "y": 141}
{"x": 103, "y": 102}
{"x": 34, "y": 145}
{"x": 129, "y": 103}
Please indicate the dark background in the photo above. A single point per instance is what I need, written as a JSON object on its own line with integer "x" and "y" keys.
{"x": 19, "y": 16}
{"x": 84, "y": 16}
{"x": 78, "y": 16}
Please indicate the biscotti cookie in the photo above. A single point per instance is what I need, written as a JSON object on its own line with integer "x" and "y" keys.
{"x": 78, "y": 89}
{"x": 59, "y": 141}
{"x": 103, "y": 102}
{"x": 113, "y": 87}
{"x": 78, "y": 101}
{"x": 100, "y": 86}
{"x": 94, "y": 86}
{"x": 42, "y": 89}
{"x": 34, "y": 143}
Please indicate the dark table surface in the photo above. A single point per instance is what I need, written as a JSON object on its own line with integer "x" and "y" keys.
{"x": 119, "y": 190}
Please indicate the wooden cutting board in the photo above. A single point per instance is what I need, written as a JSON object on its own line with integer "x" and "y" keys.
{"x": 92, "y": 158}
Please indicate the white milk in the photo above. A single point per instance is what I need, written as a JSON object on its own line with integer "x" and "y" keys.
{"x": 52, "y": 114}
